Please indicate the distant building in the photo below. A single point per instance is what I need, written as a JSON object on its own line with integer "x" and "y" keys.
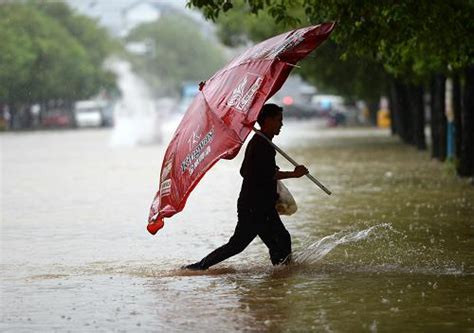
{"x": 119, "y": 17}
{"x": 137, "y": 13}
{"x": 143, "y": 11}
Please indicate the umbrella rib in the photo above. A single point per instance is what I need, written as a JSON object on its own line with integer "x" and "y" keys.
{"x": 220, "y": 73}
{"x": 288, "y": 63}
{"x": 235, "y": 136}
{"x": 201, "y": 174}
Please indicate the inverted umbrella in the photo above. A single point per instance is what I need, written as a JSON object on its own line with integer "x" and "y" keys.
{"x": 223, "y": 113}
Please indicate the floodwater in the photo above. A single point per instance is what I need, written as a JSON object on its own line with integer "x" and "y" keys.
{"x": 392, "y": 250}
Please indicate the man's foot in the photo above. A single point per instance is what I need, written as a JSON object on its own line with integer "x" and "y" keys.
{"x": 194, "y": 267}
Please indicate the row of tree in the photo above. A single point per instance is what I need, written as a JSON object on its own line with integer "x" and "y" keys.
{"x": 404, "y": 50}
{"x": 49, "y": 53}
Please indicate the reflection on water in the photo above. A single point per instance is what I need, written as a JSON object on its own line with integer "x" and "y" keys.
{"x": 390, "y": 250}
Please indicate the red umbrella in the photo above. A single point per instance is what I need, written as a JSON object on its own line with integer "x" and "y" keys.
{"x": 222, "y": 115}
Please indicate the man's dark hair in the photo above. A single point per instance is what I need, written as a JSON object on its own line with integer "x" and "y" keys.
{"x": 268, "y": 111}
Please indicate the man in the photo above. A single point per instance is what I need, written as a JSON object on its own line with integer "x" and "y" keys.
{"x": 257, "y": 215}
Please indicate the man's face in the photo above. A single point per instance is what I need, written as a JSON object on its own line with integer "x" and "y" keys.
{"x": 274, "y": 124}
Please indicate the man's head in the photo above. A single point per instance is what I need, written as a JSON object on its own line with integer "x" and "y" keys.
{"x": 270, "y": 119}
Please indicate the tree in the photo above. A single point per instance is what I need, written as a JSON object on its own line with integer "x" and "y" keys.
{"x": 353, "y": 77}
{"x": 41, "y": 59}
{"x": 52, "y": 63}
{"x": 417, "y": 42}
{"x": 95, "y": 40}
{"x": 179, "y": 53}
{"x": 396, "y": 33}
{"x": 17, "y": 55}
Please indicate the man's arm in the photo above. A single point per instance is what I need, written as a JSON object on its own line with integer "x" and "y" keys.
{"x": 299, "y": 171}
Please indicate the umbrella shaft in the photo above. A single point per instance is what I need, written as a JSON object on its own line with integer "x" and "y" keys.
{"x": 292, "y": 161}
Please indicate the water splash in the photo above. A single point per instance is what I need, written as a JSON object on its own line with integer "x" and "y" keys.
{"x": 316, "y": 251}
{"x": 136, "y": 116}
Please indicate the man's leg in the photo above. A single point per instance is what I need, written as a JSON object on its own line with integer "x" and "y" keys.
{"x": 275, "y": 236}
{"x": 244, "y": 234}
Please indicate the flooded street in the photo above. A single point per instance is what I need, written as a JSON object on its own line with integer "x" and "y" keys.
{"x": 391, "y": 250}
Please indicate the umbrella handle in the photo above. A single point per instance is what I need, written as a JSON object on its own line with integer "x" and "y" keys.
{"x": 292, "y": 161}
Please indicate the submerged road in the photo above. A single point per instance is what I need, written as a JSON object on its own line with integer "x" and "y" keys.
{"x": 391, "y": 250}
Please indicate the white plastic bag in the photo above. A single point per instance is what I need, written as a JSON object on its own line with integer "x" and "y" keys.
{"x": 286, "y": 204}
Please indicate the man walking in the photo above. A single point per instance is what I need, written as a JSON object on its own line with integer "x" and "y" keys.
{"x": 257, "y": 215}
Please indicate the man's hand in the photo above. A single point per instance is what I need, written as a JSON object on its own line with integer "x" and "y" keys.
{"x": 300, "y": 171}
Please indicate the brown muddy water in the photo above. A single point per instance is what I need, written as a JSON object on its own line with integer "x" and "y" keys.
{"x": 392, "y": 250}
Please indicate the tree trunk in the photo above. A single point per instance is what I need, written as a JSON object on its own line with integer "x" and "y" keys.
{"x": 393, "y": 108}
{"x": 69, "y": 109}
{"x": 467, "y": 119}
{"x": 402, "y": 111}
{"x": 41, "y": 113}
{"x": 27, "y": 117}
{"x": 457, "y": 111}
{"x": 14, "y": 117}
{"x": 373, "y": 107}
{"x": 415, "y": 94}
{"x": 438, "y": 118}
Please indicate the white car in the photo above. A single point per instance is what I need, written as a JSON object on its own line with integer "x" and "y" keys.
{"x": 88, "y": 113}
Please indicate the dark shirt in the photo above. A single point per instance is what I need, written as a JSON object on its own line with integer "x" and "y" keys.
{"x": 258, "y": 169}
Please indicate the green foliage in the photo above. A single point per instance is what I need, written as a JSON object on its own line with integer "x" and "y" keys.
{"x": 94, "y": 38}
{"x": 240, "y": 25}
{"x": 412, "y": 39}
{"x": 17, "y": 56}
{"x": 46, "y": 53}
{"x": 179, "y": 52}
{"x": 354, "y": 77}
{"x": 41, "y": 59}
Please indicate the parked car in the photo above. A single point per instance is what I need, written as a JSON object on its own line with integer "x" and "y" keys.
{"x": 326, "y": 104}
{"x": 89, "y": 113}
{"x": 56, "y": 118}
{"x": 300, "y": 110}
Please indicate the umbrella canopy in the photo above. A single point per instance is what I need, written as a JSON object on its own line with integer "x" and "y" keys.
{"x": 223, "y": 113}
